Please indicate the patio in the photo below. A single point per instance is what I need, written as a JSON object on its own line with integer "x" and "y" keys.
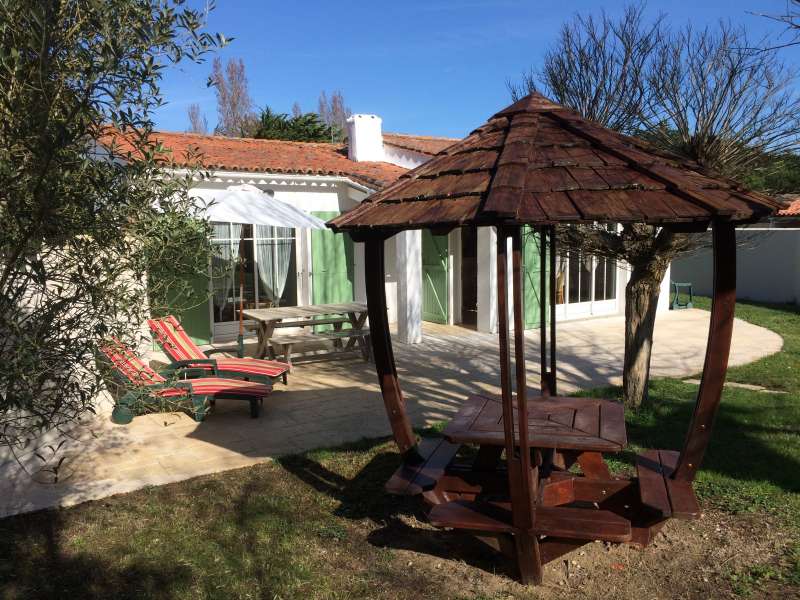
{"x": 331, "y": 402}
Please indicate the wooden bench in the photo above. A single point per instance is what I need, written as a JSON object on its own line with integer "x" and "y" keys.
{"x": 554, "y": 521}
{"x": 359, "y": 336}
{"x": 659, "y": 491}
{"x": 252, "y": 326}
{"x": 285, "y": 343}
{"x": 414, "y": 479}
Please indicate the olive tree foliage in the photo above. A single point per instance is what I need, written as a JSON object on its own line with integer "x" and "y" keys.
{"x": 699, "y": 95}
{"x": 84, "y": 252}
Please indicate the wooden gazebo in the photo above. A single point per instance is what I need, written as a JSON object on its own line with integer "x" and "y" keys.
{"x": 536, "y": 163}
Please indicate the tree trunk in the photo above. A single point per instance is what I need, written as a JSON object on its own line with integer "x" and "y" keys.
{"x": 641, "y": 301}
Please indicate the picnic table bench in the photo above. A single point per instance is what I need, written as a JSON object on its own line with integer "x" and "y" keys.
{"x": 351, "y": 339}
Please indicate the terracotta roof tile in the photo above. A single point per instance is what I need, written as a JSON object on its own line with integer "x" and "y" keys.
{"x": 424, "y": 144}
{"x": 272, "y": 156}
{"x": 537, "y": 162}
{"x": 793, "y": 210}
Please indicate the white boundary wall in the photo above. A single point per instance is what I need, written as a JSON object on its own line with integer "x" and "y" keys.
{"x": 767, "y": 267}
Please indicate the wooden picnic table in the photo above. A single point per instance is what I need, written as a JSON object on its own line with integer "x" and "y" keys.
{"x": 582, "y": 427}
{"x": 585, "y": 424}
{"x": 269, "y": 319}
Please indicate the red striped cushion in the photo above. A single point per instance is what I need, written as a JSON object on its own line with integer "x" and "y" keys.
{"x": 255, "y": 366}
{"x": 251, "y": 366}
{"x": 130, "y": 365}
{"x": 179, "y": 346}
{"x": 174, "y": 339}
{"x": 217, "y": 386}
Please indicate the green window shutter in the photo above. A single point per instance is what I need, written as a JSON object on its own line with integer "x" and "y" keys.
{"x": 434, "y": 277}
{"x": 532, "y": 269}
{"x": 332, "y": 265}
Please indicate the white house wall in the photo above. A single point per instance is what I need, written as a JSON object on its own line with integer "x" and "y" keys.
{"x": 404, "y": 158}
{"x": 390, "y": 264}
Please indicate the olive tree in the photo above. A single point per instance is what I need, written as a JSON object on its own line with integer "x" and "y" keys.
{"x": 700, "y": 95}
{"x": 94, "y": 233}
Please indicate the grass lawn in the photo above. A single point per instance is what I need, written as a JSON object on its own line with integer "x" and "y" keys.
{"x": 753, "y": 462}
{"x": 318, "y": 525}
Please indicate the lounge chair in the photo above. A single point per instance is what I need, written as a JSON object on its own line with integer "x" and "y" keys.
{"x": 180, "y": 348}
{"x": 153, "y": 388}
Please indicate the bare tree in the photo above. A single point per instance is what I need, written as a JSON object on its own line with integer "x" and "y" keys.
{"x": 197, "y": 120}
{"x": 334, "y": 113}
{"x": 790, "y": 18}
{"x": 714, "y": 100}
{"x": 296, "y": 110}
{"x": 701, "y": 98}
{"x": 598, "y": 67}
{"x": 234, "y": 105}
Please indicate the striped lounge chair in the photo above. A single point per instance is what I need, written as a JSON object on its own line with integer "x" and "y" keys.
{"x": 181, "y": 350}
{"x": 152, "y": 388}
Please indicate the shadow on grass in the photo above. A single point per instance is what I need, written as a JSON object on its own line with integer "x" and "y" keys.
{"x": 756, "y": 436}
{"x": 399, "y": 519}
{"x": 755, "y": 446}
{"x": 45, "y": 570}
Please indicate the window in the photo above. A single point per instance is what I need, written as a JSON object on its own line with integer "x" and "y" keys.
{"x": 584, "y": 278}
{"x": 605, "y": 278}
{"x": 265, "y": 255}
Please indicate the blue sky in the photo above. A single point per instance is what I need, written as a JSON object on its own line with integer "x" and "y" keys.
{"x": 434, "y": 68}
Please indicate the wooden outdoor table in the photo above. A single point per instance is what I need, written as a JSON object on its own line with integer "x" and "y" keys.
{"x": 581, "y": 427}
{"x": 269, "y": 319}
{"x": 583, "y": 424}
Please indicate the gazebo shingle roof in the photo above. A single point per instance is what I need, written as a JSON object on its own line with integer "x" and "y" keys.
{"x": 537, "y": 162}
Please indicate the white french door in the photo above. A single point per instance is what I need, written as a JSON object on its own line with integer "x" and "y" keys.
{"x": 586, "y": 286}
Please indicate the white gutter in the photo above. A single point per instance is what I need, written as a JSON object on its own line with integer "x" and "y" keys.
{"x": 289, "y": 177}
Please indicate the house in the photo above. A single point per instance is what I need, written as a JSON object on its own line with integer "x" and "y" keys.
{"x": 767, "y": 260}
{"x": 429, "y": 277}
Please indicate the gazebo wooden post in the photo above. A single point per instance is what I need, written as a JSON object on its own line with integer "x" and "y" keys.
{"x": 375, "y": 276}
{"x": 522, "y": 478}
{"x": 552, "y": 236}
{"x": 546, "y": 387}
{"x": 720, "y": 331}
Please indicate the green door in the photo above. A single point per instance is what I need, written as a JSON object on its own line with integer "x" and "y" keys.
{"x": 331, "y": 265}
{"x": 190, "y": 306}
{"x": 531, "y": 270}
{"x": 434, "y": 277}
{"x": 197, "y": 319}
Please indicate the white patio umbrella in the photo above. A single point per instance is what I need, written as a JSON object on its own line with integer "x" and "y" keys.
{"x": 246, "y": 204}
{"x": 249, "y": 205}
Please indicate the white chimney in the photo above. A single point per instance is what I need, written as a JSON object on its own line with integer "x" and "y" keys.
{"x": 365, "y": 138}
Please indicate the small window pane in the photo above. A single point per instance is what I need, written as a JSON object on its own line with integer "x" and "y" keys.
{"x": 600, "y": 279}
{"x": 574, "y": 277}
{"x": 586, "y": 279}
{"x": 611, "y": 280}
{"x": 561, "y": 279}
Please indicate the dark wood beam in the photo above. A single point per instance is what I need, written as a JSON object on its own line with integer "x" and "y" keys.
{"x": 545, "y": 379}
{"x": 720, "y": 331}
{"x": 552, "y": 236}
{"x": 523, "y": 476}
{"x": 375, "y": 276}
